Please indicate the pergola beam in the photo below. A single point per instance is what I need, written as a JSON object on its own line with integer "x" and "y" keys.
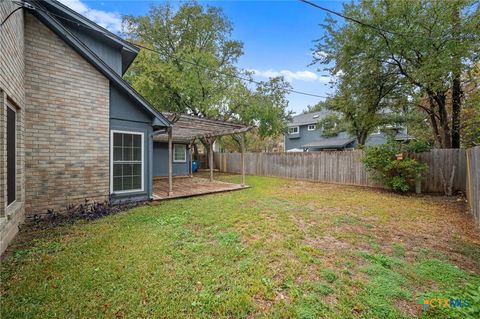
{"x": 187, "y": 128}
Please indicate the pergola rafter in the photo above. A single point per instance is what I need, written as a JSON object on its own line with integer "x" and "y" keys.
{"x": 188, "y": 128}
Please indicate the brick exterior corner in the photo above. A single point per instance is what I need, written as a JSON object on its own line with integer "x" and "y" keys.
{"x": 66, "y": 124}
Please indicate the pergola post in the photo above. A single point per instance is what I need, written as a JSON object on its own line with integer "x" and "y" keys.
{"x": 170, "y": 163}
{"x": 190, "y": 151}
{"x": 242, "y": 146}
{"x": 210, "y": 157}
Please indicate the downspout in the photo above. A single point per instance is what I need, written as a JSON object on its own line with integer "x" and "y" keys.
{"x": 150, "y": 162}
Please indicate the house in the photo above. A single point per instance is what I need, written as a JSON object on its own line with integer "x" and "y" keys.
{"x": 71, "y": 127}
{"x": 304, "y": 134}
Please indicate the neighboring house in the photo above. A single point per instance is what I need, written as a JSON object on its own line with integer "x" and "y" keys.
{"x": 305, "y": 135}
{"x": 71, "y": 127}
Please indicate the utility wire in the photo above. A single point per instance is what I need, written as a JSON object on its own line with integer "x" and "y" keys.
{"x": 9, "y": 15}
{"x": 371, "y": 26}
{"x": 181, "y": 59}
{"x": 338, "y": 14}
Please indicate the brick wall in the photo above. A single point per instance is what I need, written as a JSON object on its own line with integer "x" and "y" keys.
{"x": 66, "y": 125}
{"x": 12, "y": 92}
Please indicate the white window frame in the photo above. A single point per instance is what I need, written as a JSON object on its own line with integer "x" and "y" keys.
{"x": 297, "y": 129}
{"x": 185, "y": 153}
{"x": 111, "y": 162}
{"x": 16, "y": 153}
{"x": 312, "y": 129}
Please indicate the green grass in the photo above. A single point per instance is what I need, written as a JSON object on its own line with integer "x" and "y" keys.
{"x": 281, "y": 249}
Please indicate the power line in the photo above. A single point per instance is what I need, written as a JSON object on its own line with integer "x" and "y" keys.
{"x": 9, "y": 15}
{"x": 181, "y": 59}
{"x": 371, "y": 26}
{"x": 338, "y": 14}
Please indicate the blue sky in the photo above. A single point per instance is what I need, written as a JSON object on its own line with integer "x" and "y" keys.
{"x": 277, "y": 35}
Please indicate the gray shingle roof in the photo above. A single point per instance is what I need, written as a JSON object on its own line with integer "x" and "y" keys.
{"x": 332, "y": 142}
{"x": 308, "y": 118}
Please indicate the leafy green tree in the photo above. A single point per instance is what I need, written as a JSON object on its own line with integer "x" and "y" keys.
{"x": 332, "y": 125}
{"x": 427, "y": 43}
{"x": 194, "y": 66}
{"x": 366, "y": 97}
{"x": 264, "y": 107}
{"x": 471, "y": 112}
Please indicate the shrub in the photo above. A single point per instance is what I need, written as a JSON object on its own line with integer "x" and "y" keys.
{"x": 397, "y": 174}
{"x": 86, "y": 211}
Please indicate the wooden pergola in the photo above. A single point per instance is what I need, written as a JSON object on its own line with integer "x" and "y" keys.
{"x": 188, "y": 128}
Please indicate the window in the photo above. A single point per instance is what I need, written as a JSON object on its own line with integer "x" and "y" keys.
{"x": 179, "y": 153}
{"x": 11, "y": 155}
{"x": 293, "y": 130}
{"x": 127, "y": 162}
{"x": 312, "y": 127}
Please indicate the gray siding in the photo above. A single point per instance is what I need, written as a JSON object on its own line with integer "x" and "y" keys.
{"x": 146, "y": 129}
{"x": 305, "y": 136}
{"x": 160, "y": 164}
{"x": 125, "y": 115}
{"x": 376, "y": 139}
{"x": 123, "y": 108}
{"x": 108, "y": 52}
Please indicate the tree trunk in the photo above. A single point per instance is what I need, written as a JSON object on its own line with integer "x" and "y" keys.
{"x": 362, "y": 138}
{"x": 439, "y": 100}
{"x": 433, "y": 122}
{"x": 456, "y": 110}
{"x": 456, "y": 87}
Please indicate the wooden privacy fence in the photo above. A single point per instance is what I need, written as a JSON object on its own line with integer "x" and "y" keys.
{"x": 473, "y": 181}
{"x": 344, "y": 167}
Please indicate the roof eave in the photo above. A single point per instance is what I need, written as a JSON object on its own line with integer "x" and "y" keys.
{"x": 82, "y": 19}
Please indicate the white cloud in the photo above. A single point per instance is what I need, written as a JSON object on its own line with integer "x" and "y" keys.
{"x": 109, "y": 20}
{"x": 292, "y": 75}
{"x": 319, "y": 54}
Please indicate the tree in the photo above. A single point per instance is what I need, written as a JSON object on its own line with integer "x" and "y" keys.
{"x": 471, "y": 112}
{"x": 194, "y": 68}
{"x": 366, "y": 97}
{"x": 428, "y": 43}
{"x": 195, "y": 64}
{"x": 332, "y": 124}
{"x": 264, "y": 107}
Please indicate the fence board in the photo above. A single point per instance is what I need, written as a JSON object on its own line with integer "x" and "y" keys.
{"x": 473, "y": 181}
{"x": 347, "y": 168}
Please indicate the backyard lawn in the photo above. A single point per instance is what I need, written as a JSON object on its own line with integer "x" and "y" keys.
{"x": 279, "y": 249}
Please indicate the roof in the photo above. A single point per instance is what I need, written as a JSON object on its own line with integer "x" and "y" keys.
{"x": 56, "y": 26}
{"x": 308, "y": 118}
{"x": 333, "y": 142}
{"x": 129, "y": 51}
{"x": 401, "y": 136}
{"x": 186, "y": 128}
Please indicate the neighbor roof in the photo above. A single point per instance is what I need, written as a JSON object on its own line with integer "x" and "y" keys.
{"x": 308, "y": 118}
{"x": 333, "y": 142}
{"x": 186, "y": 128}
{"x": 56, "y": 26}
